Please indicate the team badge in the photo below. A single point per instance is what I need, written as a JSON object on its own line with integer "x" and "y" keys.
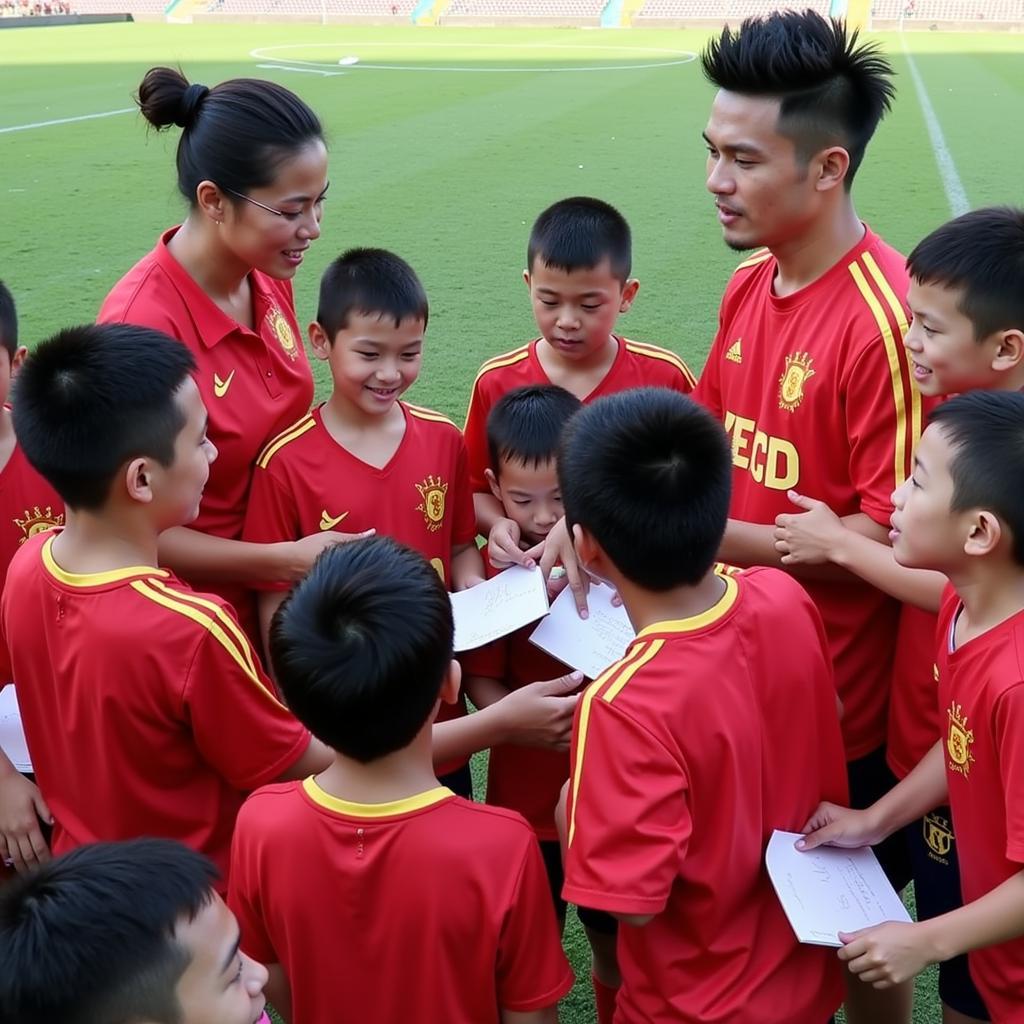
{"x": 959, "y": 741}
{"x": 432, "y": 491}
{"x": 938, "y": 834}
{"x": 283, "y": 332}
{"x": 791, "y": 384}
{"x": 38, "y": 520}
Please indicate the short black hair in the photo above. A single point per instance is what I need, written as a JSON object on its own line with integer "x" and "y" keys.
{"x": 986, "y": 431}
{"x": 8, "y": 321}
{"x": 832, "y": 88}
{"x": 578, "y": 233}
{"x": 89, "y": 938}
{"x": 648, "y": 472}
{"x": 237, "y": 134}
{"x": 373, "y": 282}
{"x": 980, "y": 254}
{"x": 90, "y": 398}
{"x": 526, "y": 424}
{"x": 361, "y": 646}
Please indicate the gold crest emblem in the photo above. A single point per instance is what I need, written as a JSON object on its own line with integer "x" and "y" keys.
{"x": 938, "y": 834}
{"x": 283, "y": 332}
{"x": 959, "y": 741}
{"x": 432, "y": 491}
{"x": 791, "y": 384}
{"x": 38, "y": 520}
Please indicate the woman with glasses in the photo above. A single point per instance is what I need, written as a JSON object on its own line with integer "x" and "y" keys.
{"x": 252, "y": 166}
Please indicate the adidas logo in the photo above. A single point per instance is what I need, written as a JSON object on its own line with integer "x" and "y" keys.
{"x": 735, "y": 353}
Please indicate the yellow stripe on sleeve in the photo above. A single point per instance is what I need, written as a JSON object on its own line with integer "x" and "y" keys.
{"x": 755, "y": 260}
{"x": 895, "y": 374}
{"x": 507, "y": 359}
{"x": 422, "y": 413}
{"x": 653, "y": 352}
{"x": 286, "y": 437}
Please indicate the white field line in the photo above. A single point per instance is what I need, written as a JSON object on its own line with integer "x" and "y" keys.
{"x": 66, "y": 120}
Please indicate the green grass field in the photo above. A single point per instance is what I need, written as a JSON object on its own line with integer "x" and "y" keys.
{"x": 445, "y": 144}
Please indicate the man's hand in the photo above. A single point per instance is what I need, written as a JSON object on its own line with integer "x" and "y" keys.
{"x": 540, "y": 715}
{"x": 889, "y": 953}
{"x": 833, "y": 825}
{"x": 304, "y": 552}
{"x": 810, "y": 537}
{"x": 21, "y": 807}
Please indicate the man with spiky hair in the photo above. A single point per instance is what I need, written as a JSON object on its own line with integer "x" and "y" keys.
{"x": 808, "y": 371}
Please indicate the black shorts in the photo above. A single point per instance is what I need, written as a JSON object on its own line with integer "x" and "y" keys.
{"x": 871, "y": 778}
{"x": 460, "y": 781}
{"x": 936, "y": 867}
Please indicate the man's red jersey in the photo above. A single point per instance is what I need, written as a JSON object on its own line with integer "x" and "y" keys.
{"x": 636, "y": 366}
{"x": 914, "y": 701}
{"x": 144, "y": 706}
{"x": 981, "y": 701}
{"x": 815, "y": 391}
{"x": 253, "y": 382}
{"x": 525, "y": 779}
{"x": 429, "y": 909}
{"x": 305, "y": 481}
{"x": 28, "y": 505}
{"x": 711, "y": 732}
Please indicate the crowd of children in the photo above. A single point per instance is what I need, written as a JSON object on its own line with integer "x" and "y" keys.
{"x": 226, "y": 614}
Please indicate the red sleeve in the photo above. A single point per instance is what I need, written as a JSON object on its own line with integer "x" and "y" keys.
{"x": 475, "y": 434}
{"x": 880, "y": 427}
{"x": 626, "y": 841}
{"x": 239, "y": 726}
{"x": 271, "y": 515}
{"x": 464, "y": 526}
{"x": 244, "y": 896}
{"x": 1008, "y": 734}
{"x": 532, "y": 972}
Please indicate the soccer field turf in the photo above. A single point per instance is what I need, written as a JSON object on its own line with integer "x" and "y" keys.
{"x": 445, "y": 144}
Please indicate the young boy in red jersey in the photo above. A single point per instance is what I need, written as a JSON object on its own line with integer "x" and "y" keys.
{"x": 967, "y": 299}
{"x": 703, "y": 739}
{"x": 126, "y": 677}
{"x": 371, "y": 859}
{"x": 130, "y": 931}
{"x": 962, "y": 514}
{"x": 28, "y": 505}
{"x": 578, "y": 263}
{"x": 807, "y": 370}
{"x": 363, "y": 458}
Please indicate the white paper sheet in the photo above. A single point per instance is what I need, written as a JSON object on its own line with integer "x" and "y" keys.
{"x": 589, "y": 645}
{"x": 12, "y": 737}
{"x": 503, "y": 604}
{"x": 828, "y": 890}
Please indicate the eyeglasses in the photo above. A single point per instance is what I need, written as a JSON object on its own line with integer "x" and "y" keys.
{"x": 287, "y": 214}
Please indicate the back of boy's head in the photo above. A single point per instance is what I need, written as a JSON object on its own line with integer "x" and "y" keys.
{"x": 981, "y": 255}
{"x": 986, "y": 431}
{"x": 89, "y": 937}
{"x": 373, "y": 282}
{"x": 526, "y": 424}
{"x": 91, "y": 398}
{"x": 648, "y": 474}
{"x": 362, "y": 645}
{"x": 8, "y": 321}
{"x": 578, "y": 234}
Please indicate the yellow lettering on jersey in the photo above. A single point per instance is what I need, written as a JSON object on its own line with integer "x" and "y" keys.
{"x": 771, "y": 461}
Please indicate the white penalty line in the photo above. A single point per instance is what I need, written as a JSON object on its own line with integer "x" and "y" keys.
{"x": 65, "y": 120}
{"x": 956, "y": 195}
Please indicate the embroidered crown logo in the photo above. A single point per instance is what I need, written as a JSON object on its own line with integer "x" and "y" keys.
{"x": 791, "y": 384}
{"x": 432, "y": 491}
{"x": 959, "y": 741}
{"x": 37, "y": 520}
{"x": 283, "y": 332}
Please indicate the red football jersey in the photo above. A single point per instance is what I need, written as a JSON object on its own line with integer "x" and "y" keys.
{"x": 144, "y": 706}
{"x": 981, "y": 701}
{"x": 430, "y": 909}
{"x": 253, "y": 382}
{"x": 636, "y": 366}
{"x": 305, "y": 481}
{"x": 686, "y": 755}
{"x": 914, "y": 700}
{"x": 815, "y": 391}
{"x": 525, "y": 779}
{"x": 28, "y": 505}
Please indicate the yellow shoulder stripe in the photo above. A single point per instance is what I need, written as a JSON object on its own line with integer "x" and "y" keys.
{"x": 753, "y": 261}
{"x": 428, "y": 414}
{"x": 296, "y": 430}
{"x": 239, "y": 651}
{"x": 654, "y": 352}
{"x": 508, "y": 359}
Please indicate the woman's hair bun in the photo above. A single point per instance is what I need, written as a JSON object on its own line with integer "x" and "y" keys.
{"x": 166, "y": 98}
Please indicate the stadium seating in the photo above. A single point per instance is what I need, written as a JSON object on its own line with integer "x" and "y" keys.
{"x": 948, "y": 10}
{"x": 525, "y": 8}
{"x": 701, "y": 10}
{"x": 398, "y": 9}
{"x": 141, "y": 8}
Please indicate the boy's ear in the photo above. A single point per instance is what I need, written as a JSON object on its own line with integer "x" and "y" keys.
{"x": 985, "y": 534}
{"x": 492, "y": 482}
{"x": 629, "y": 290}
{"x": 832, "y": 167}
{"x": 1009, "y": 350}
{"x": 138, "y": 480}
{"x": 18, "y": 359}
{"x": 319, "y": 341}
{"x": 449, "y": 693}
{"x": 589, "y": 552}
{"x": 526, "y": 277}
{"x": 211, "y": 201}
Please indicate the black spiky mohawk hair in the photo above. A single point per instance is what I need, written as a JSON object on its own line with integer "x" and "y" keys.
{"x": 833, "y": 89}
